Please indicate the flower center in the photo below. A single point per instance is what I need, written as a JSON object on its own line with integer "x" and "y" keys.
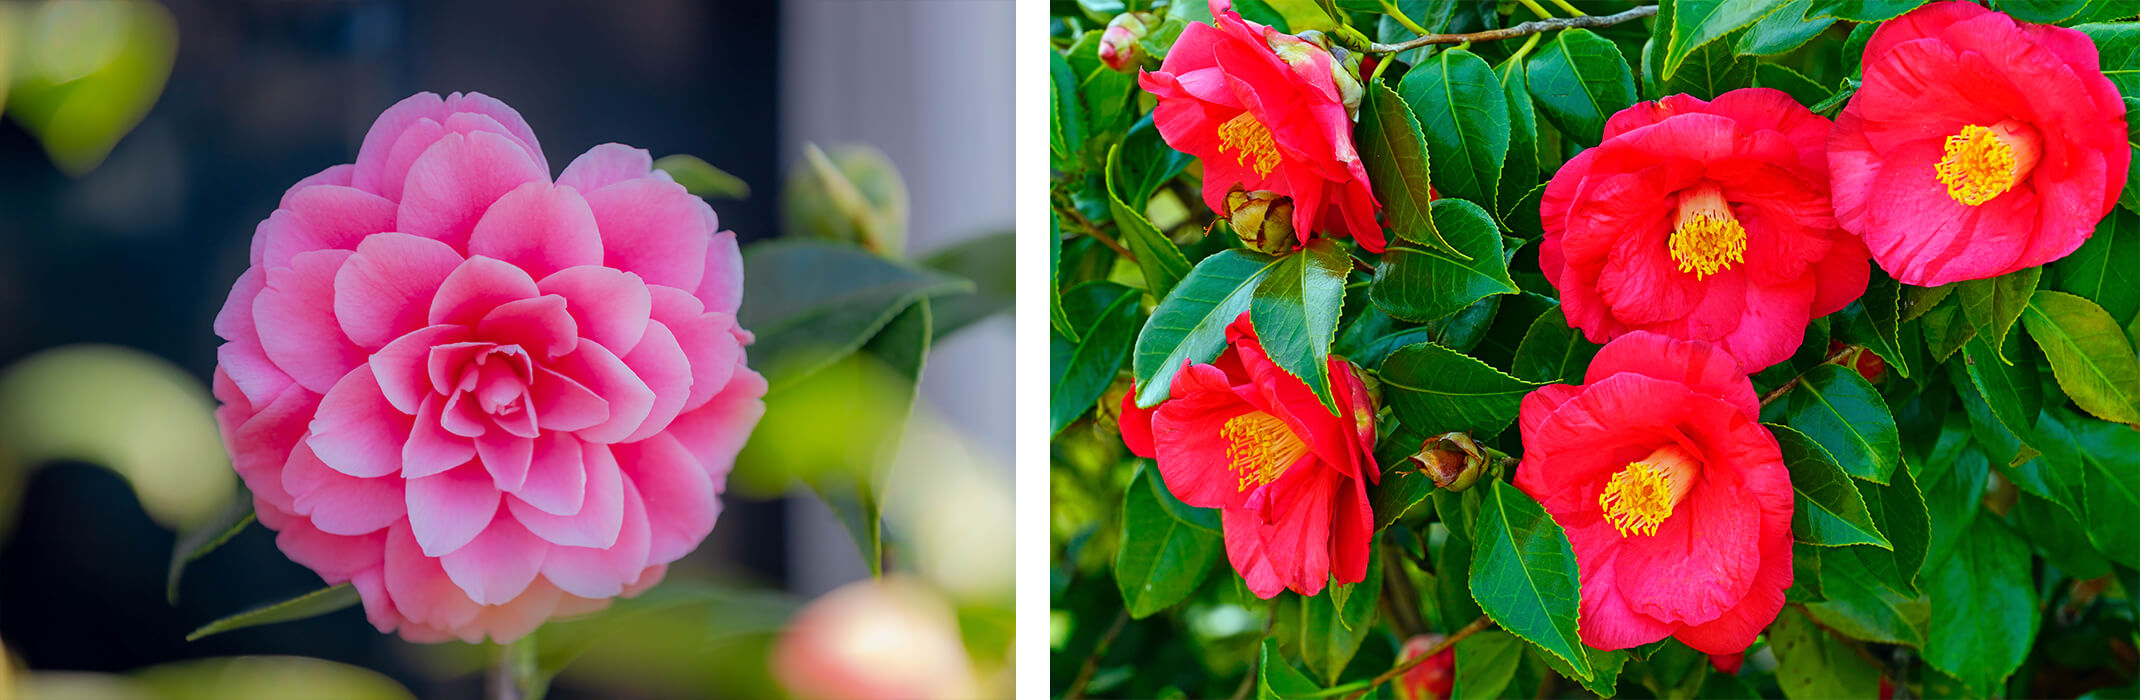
{"x": 1983, "y": 162}
{"x": 1641, "y": 496}
{"x": 1706, "y": 239}
{"x": 1259, "y": 447}
{"x": 1243, "y": 133}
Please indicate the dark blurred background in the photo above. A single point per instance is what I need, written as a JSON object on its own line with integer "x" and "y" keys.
{"x": 140, "y": 252}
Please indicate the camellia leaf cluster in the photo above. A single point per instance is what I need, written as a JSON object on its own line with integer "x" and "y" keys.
{"x": 1704, "y": 348}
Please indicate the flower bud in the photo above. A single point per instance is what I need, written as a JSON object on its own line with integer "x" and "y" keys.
{"x": 1432, "y": 679}
{"x": 1452, "y": 460}
{"x": 1121, "y": 45}
{"x": 1868, "y": 364}
{"x": 1262, "y": 219}
{"x": 889, "y": 638}
{"x": 1311, "y": 50}
{"x": 852, "y": 194}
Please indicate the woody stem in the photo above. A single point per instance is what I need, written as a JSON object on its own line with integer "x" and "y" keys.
{"x": 1406, "y": 665}
{"x": 1525, "y": 29}
{"x": 1069, "y": 211}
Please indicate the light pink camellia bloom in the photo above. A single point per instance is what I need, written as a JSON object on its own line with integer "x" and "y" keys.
{"x": 483, "y": 397}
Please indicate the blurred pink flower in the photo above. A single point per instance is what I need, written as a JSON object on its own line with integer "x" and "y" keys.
{"x": 483, "y": 397}
{"x": 889, "y": 639}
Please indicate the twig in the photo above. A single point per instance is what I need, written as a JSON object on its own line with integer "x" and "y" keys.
{"x": 1525, "y": 29}
{"x": 1092, "y": 663}
{"x": 1069, "y": 209}
{"x": 1407, "y": 664}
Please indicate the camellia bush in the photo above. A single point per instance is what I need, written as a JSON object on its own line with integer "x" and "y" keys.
{"x": 1720, "y": 348}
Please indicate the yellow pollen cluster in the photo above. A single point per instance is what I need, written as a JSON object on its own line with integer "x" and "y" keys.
{"x": 1637, "y": 499}
{"x": 1707, "y": 243}
{"x": 1243, "y": 133}
{"x": 1977, "y": 167}
{"x": 1259, "y": 447}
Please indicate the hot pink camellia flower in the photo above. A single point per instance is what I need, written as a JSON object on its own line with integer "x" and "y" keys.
{"x": 1288, "y": 477}
{"x": 1674, "y": 496}
{"x": 1702, "y": 221}
{"x": 1269, "y": 111}
{"x": 482, "y": 397}
{"x": 1977, "y": 145}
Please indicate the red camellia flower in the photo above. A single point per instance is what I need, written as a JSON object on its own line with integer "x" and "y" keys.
{"x": 1977, "y": 145}
{"x": 1432, "y": 679}
{"x": 1675, "y": 498}
{"x": 1702, "y": 221}
{"x": 1269, "y": 111}
{"x": 1289, "y": 478}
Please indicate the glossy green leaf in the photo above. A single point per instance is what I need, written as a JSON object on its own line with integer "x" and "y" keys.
{"x": 1945, "y": 329}
{"x": 2103, "y": 270}
{"x": 1983, "y": 607}
{"x": 1520, "y": 173}
{"x": 1856, "y": 604}
{"x": 198, "y": 540}
{"x": 1189, "y": 325}
{"x": 2089, "y": 353}
{"x": 1793, "y": 83}
{"x": 1862, "y": 10}
{"x": 1402, "y": 487}
{"x": 1917, "y": 300}
{"x": 2014, "y": 392}
{"x": 1553, "y": 352}
{"x": 1605, "y": 669}
{"x": 1108, "y": 313}
{"x": 314, "y": 604}
{"x": 1485, "y": 663}
{"x": 2117, "y": 46}
{"x": 2056, "y": 533}
{"x": 903, "y": 349}
{"x": 1295, "y": 311}
{"x": 1147, "y": 163}
{"x": 2111, "y": 454}
{"x": 1578, "y": 80}
{"x": 986, "y": 260}
{"x": 1830, "y": 511}
{"x": 1712, "y": 70}
{"x": 2130, "y": 199}
{"x": 1277, "y": 680}
{"x": 700, "y": 177}
{"x": 1435, "y": 390}
{"x": 1898, "y": 509}
{"x": 1396, "y": 158}
{"x": 1872, "y": 323}
{"x": 812, "y": 303}
{"x": 1810, "y": 665}
{"x": 1464, "y": 116}
{"x": 1992, "y": 305}
{"x": 1066, "y": 117}
{"x": 2041, "y": 11}
{"x": 1523, "y": 574}
{"x": 1696, "y": 23}
{"x": 1167, "y": 546}
{"x": 1782, "y": 31}
{"x": 1418, "y": 284}
{"x": 1836, "y": 407}
{"x": 1056, "y": 319}
{"x": 1163, "y": 264}
{"x": 1334, "y": 623}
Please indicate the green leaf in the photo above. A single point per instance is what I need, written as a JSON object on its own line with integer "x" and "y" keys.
{"x": 1857, "y": 605}
{"x": 1435, "y": 390}
{"x": 1162, "y": 261}
{"x": 1396, "y": 158}
{"x": 1917, "y": 300}
{"x": 1712, "y": 70}
{"x": 1992, "y": 305}
{"x": 1862, "y": 10}
{"x": 1810, "y": 665}
{"x": 1553, "y": 352}
{"x": 2131, "y": 197}
{"x": 812, "y": 303}
{"x": 1836, "y": 407}
{"x": 1983, "y": 607}
{"x": 1898, "y": 509}
{"x": 1604, "y": 669}
{"x": 1952, "y": 503}
{"x": 2111, "y": 494}
{"x": 1485, "y": 663}
{"x": 2102, "y": 270}
{"x": 1696, "y": 23}
{"x": 1523, "y": 574}
{"x": 2014, "y": 392}
{"x": 1402, "y": 486}
{"x": 1167, "y": 546}
{"x": 1277, "y": 680}
{"x": 1519, "y": 174}
{"x": 1871, "y": 323}
{"x": 694, "y": 612}
{"x": 1295, "y": 311}
{"x": 1464, "y": 117}
{"x": 1830, "y": 511}
{"x": 314, "y": 604}
{"x": 1189, "y": 325}
{"x": 2041, "y": 11}
{"x": 1066, "y": 117}
{"x": 1147, "y": 164}
{"x": 1945, "y": 329}
{"x": 1056, "y": 319}
{"x": 986, "y": 260}
{"x": 1334, "y": 623}
{"x": 2057, "y": 533}
{"x": 903, "y": 348}
{"x": 1798, "y": 86}
{"x": 197, "y": 541}
{"x": 93, "y": 72}
{"x": 854, "y": 502}
{"x": 1782, "y": 31}
{"x": 701, "y": 178}
{"x": 1108, "y": 312}
{"x": 2089, "y": 353}
{"x": 1579, "y": 79}
{"x": 1419, "y": 285}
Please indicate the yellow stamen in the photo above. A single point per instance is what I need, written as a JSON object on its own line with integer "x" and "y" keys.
{"x": 1641, "y": 496}
{"x": 1252, "y": 139}
{"x": 1983, "y": 162}
{"x": 1706, "y": 239}
{"x": 1259, "y": 447}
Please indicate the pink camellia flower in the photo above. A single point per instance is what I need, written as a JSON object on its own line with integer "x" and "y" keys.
{"x": 1432, "y": 679}
{"x": 482, "y": 397}
{"x": 1267, "y": 111}
{"x": 1702, "y": 221}
{"x": 1977, "y": 145}
{"x": 1288, "y": 477}
{"x": 1673, "y": 495}
{"x": 890, "y": 639}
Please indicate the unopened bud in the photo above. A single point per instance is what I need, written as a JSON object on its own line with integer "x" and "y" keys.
{"x": 1263, "y": 220}
{"x": 851, "y": 194}
{"x": 1311, "y": 50}
{"x": 1121, "y": 45}
{"x": 1432, "y": 679}
{"x": 1452, "y": 460}
{"x": 1867, "y": 364}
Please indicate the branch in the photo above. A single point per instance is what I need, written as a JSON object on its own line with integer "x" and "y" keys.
{"x": 1846, "y": 351}
{"x": 1407, "y": 664}
{"x": 1092, "y": 663}
{"x": 1066, "y": 207}
{"x": 1525, "y": 29}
